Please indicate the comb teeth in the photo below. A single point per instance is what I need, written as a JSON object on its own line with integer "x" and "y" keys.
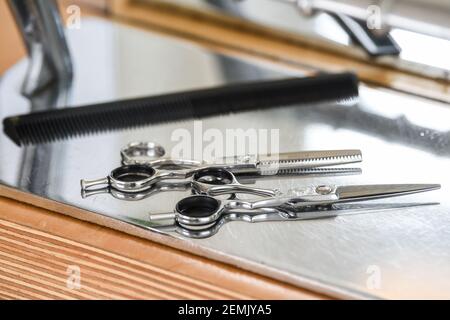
{"x": 49, "y": 126}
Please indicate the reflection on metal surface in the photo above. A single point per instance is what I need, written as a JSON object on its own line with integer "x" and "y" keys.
{"x": 399, "y": 129}
{"x": 30, "y": 179}
{"x": 417, "y": 53}
{"x": 409, "y": 245}
{"x": 43, "y": 33}
{"x": 424, "y": 16}
{"x": 375, "y": 44}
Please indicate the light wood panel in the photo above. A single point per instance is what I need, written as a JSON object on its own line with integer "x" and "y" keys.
{"x": 37, "y": 246}
{"x": 12, "y": 48}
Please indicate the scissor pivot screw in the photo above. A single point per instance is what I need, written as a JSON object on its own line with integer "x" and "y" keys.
{"x": 324, "y": 190}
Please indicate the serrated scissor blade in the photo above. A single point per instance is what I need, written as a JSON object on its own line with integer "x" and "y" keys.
{"x": 309, "y": 159}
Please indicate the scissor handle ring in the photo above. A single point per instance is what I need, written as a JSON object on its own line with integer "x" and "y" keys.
{"x": 140, "y": 152}
{"x": 200, "y": 232}
{"x": 132, "y": 178}
{"x": 222, "y": 176}
{"x": 129, "y": 196}
{"x": 198, "y": 210}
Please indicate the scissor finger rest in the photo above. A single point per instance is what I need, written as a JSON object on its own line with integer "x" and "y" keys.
{"x": 141, "y": 152}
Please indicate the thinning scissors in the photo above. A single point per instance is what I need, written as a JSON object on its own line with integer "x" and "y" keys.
{"x": 201, "y": 216}
{"x": 152, "y": 154}
{"x": 141, "y": 177}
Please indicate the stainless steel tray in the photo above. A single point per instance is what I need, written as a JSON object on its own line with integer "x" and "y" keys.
{"x": 401, "y": 253}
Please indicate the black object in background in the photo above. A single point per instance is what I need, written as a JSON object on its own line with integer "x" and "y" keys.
{"x": 48, "y": 126}
{"x": 372, "y": 43}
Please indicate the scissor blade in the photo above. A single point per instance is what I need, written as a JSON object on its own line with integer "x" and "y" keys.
{"x": 310, "y": 159}
{"x": 363, "y": 192}
{"x": 352, "y": 209}
{"x": 306, "y": 172}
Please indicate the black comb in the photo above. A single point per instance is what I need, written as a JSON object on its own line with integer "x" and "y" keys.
{"x": 48, "y": 126}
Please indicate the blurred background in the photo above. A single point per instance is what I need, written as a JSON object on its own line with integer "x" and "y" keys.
{"x": 411, "y": 36}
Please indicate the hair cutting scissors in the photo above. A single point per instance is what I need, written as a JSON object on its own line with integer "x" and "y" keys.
{"x": 152, "y": 154}
{"x": 200, "y": 216}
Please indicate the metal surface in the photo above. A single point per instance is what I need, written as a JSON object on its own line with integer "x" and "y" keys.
{"x": 396, "y": 252}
